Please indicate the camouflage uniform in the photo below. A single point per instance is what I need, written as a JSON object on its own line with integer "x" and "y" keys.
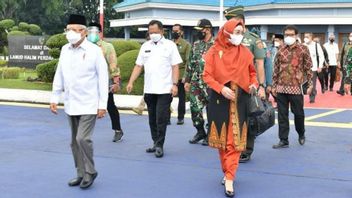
{"x": 255, "y": 45}
{"x": 193, "y": 75}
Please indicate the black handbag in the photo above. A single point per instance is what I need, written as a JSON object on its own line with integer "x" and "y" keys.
{"x": 261, "y": 123}
{"x": 255, "y": 105}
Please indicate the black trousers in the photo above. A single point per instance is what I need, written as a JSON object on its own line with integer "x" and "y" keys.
{"x": 332, "y": 72}
{"x": 296, "y": 103}
{"x": 159, "y": 111}
{"x": 114, "y": 113}
{"x": 181, "y": 100}
{"x": 342, "y": 86}
{"x": 320, "y": 76}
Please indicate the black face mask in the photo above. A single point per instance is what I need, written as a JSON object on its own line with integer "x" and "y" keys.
{"x": 201, "y": 35}
{"x": 175, "y": 35}
{"x": 332, "y": 40}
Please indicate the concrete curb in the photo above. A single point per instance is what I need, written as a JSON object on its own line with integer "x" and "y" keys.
{"x": 43, "y": 97}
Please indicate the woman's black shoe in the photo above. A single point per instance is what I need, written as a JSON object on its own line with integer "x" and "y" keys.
{"x": 229, "y": 193}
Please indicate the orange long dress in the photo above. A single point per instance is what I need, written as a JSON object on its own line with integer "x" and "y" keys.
{"x": 227, "y": 63}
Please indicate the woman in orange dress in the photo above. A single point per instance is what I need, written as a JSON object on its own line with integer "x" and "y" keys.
{"x": 231, "y": 75}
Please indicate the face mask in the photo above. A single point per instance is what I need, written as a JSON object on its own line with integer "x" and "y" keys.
{"x": 289, "y": 40}
{"x": 155, "y": 37}
{"x": 351, "y": 38}
{"x": 201, "y": 35}
{"x": 175, "y": 35}
{"x": 73, "y": 37}
{"x": 306, "y": 40}
{"x": 332, "y": 40}
{"x": 276, "y": 44}
{"x": 93, "y": 38}
{"x": 236, "y": 39}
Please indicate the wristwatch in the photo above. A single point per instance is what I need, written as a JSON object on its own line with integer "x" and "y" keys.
{"x": 261, "y": 85}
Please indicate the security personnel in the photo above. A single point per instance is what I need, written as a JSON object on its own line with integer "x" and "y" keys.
{"x": 194, "y": 81}
{"x": 255, "y": 45}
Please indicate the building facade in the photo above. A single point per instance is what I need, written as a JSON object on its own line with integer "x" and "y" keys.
{"x": 322, "y": 17}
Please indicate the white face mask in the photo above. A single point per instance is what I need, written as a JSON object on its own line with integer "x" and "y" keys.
{"x": 306, "y": 40}
{"x": 236, "y": 39}
{"x": 276, "y": 44}
{"x": 73, "y": 37}
{"x": 289, "y": 40}
{"x": 155, "y": 37}
{"x": 351, "y": 38}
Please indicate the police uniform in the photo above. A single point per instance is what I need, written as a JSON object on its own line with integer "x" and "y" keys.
{"x": 253, "y": 42}
{"x": 193, "y": 75}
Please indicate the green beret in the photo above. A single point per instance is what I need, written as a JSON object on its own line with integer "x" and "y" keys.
{"x": 233, "y": 12}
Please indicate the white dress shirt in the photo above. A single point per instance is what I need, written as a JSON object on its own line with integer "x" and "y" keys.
{"x": 313, "y": 54}
{"x": 82, "y": 74}
{"x": 158, "y": 60}
{"x": 333, "y": 50}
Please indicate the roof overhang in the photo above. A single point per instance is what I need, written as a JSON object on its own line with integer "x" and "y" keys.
{"x": 165, "y": 21}
{"x": 263, "y": 20}
{"x": 216, "y": 8}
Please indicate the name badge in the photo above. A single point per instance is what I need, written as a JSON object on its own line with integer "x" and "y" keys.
{"x": 147, "y": 51}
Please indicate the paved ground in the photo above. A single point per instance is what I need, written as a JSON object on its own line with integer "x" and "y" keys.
{"x": 36, "y": 160}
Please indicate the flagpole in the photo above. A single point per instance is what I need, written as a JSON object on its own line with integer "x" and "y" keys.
{"x": 101, "y": 16}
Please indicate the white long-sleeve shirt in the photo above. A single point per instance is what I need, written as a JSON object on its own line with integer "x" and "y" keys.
{"x": 312, "y": 50}
{"x": 82, "y": 74}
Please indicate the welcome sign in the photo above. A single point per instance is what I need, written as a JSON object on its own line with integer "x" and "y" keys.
{"x": 27, "y": 51}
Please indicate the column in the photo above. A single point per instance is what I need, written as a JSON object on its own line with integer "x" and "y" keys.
{"x": 127, "y": 33}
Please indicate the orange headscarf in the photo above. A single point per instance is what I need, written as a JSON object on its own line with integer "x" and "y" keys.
{"x": 226, "y": 62}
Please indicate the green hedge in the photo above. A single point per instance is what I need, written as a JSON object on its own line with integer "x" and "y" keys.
{"x": 56, "y": 41}
{"x": 23, "y": 26}
{"x": 122, "y": 46}
{"x": 34, "y": 29}
{"x": 18, "y": 33}
{"x": 7, "y": 24}
{"x": 126, "y": 63}
{"x": 10, "y": 72}
{"x": 54, "y": 52}
{"x": 3, "y": 63}
{"x": 46, "y": 71}
{"x": 15, "y": 28}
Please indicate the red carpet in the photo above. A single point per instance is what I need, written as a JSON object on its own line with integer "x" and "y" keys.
{"x": 329, "y": 99}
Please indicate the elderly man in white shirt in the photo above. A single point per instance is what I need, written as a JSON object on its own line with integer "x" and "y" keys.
{"x": 333, "y": 52}
{"x": 160, "y": 58}
{"x": 82, "y": 74}
{"x": 317, "y": 55}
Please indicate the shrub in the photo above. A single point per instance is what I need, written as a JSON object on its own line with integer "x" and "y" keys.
{"x": 34, "y": 29}
{"x": 126, "y": 63}
{"x": 56, "y": 41}
{"x": 10, "y": 72}
{"x": 122, "y": 46}
{"x": 23, "y": 26}
{"x": 18, "y": 33}
{"x": 46, "y": 71}
{"x": 15, "y": 28}
{"x": 7, "y": 24}
{"x": 3, "y": 63}
{"x": 54, "y": 52}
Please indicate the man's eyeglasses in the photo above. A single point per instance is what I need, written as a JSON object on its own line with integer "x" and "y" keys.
{"x": 75, "y": 30}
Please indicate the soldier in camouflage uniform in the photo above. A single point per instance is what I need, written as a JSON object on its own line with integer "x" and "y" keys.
{"x": 256, "y": 46}
{"x": 194, "y": 80}
{"x": 346, "y": 62}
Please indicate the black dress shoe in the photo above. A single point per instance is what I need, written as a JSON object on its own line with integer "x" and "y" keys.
{"x": 340, "y": 92}
{"x": 198, "y": 137}
{"x": 159, "y": 152}
{"x": 150, "y": 150}
{"x": 88, "y": 180}
{"x": 205, "y": 142}
{"x": 281, "y": 144}
{"x": 245, "y": 158}
{"x": 223, "y": 181}
{"x": 302, "y": 140}
{"x": 180, "y": 122}
{"x": 75, "y": 181}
